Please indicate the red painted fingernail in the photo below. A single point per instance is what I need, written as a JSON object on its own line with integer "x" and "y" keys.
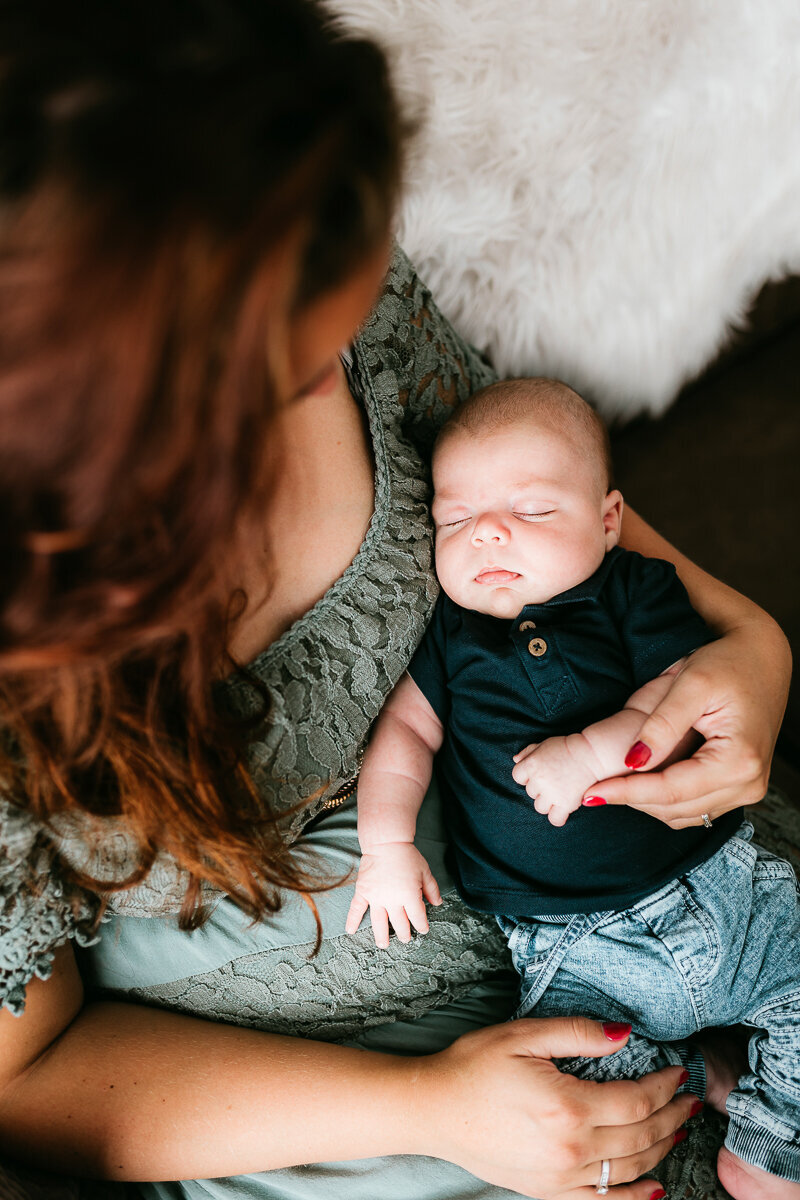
{"x": 615, "y": 1031}
{"x": 593, "y": 801}
{"x": 680, "y": 1136}
{"x": 684, "y": 1078}
{"x": 658, "y": 1194}
{"x": 696, "y": 1108}
{"x": 637, "y": 756}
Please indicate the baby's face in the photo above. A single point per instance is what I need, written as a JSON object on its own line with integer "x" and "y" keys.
{"x": 520, "y": 517}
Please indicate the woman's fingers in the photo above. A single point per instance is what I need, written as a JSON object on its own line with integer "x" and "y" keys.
{"x": 643, "y": 1189}
{"x": 568, "y": 1037}
{"x": 552, "y": 1130}
{"x": 629, "y": 1168}
{"x": 639, "y": 1112}
{"x": 737, "y": 713}
{"x": 684, "y": 705}
{"x": 682, "y": 792}
{"x": 634, "y": 1149}
{"x": 625, "y": 1174}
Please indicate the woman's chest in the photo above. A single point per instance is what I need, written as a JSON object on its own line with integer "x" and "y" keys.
{"x": 319, "y": 514}
{"x": 358, "y": 620}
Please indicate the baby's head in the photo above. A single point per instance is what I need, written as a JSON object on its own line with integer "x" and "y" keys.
{"x": 522, "y": 505}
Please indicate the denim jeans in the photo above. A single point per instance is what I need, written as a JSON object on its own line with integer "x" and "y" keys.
{"x": 718, "y": 946}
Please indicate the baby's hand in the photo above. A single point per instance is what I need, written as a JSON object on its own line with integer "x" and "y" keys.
{"x": 555, "y": 774}
{"x": 394, "y": 881}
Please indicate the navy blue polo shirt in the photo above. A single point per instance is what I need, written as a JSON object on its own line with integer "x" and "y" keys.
{"x": 498, "y": 685}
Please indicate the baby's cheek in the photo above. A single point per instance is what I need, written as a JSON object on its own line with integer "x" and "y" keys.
{"x": 576, "y": 559}
{"x": 447, "y": 571}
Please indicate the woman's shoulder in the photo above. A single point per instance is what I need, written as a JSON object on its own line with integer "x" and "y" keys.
{"x": 40, "y": 907}
{"x": 411, "y": 345}
{"x": 408, "y": 319}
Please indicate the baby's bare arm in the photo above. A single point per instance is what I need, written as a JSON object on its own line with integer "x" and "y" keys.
{"x": 397, "y": 767}
{"x": 556, "y": 773}
{"x": 394, "y": 880}
{"x": 607, "y": 741}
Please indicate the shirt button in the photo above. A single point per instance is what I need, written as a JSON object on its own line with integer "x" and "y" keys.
{"x": 537, "y": 647}
{"x": 527, "y": 625}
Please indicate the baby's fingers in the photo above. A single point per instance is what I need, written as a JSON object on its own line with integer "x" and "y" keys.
{"x": 558, "y": 816}
{"x": 400, "y": 924}
{"x": 355, "y": 913}
{"x": 430, "y": 888}
{"x": 380, "y": 926}
{"x": 415, "y": 911}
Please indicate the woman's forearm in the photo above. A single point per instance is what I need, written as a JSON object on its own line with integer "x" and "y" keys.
{"x": 128, "y": 1092}
{"x": 720, "y": 606}
{"x": 134, "y": 1093}
{"x": 733, "y": 691}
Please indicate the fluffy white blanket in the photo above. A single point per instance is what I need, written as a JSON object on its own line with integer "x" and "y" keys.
{"x": 599, "y": 187}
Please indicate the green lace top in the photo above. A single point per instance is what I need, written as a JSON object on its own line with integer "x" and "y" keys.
{"x": 328, "y": 675}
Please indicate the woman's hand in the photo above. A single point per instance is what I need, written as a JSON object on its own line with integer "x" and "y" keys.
{"x": 223, "y": 1100}
{"x": 495, "y": 1104}
{"x": 733, "y": 692}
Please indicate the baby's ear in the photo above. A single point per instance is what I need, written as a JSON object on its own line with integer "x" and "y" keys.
{"x": 612, "y": 517}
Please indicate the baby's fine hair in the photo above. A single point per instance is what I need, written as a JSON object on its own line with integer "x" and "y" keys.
{"x": 547, "y": 402}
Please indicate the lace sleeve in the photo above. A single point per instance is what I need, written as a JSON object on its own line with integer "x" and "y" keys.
{"x": 438, "y": 368}
{"x": 39, "y": 908}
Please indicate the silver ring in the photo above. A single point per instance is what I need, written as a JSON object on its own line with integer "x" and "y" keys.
{"x": 605, "y": 1174}
{"x": 706, "y": 819}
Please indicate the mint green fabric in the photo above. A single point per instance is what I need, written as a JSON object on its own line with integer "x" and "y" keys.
{"x": 328, "y": 677}
{"x": 410, "y": 999}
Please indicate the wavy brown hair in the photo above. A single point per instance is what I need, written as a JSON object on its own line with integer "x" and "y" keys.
{"x": 177, "y": 179}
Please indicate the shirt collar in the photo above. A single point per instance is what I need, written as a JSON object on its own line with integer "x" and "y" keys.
{"x": 588, "y": 589}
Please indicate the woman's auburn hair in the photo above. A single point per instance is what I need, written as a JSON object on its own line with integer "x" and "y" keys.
{"x": 177, "y": 179}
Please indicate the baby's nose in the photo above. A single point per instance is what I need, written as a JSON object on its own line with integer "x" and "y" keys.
{"x": 489, "y": 528}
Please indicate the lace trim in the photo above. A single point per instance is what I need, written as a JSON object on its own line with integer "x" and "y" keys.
{"x": 328, "y": 675}
{"x": 349, "y": 986}
{"x": 39, "y": 910}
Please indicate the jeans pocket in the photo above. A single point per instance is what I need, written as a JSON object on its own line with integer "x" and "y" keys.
{"x": 680, "y": 960}
{"x": 532, "y": 947}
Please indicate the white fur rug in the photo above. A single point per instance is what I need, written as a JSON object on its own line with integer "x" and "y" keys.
{"x": 599, "y": 187}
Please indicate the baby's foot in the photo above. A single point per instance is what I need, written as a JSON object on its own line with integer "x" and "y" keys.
{"x": 724, "y": 1052}
{"x": 744, "y": 1182}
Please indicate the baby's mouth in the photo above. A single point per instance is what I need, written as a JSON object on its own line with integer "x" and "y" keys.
{"x": 494, "y": 575}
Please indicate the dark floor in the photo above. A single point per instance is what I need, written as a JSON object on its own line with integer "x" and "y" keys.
{"x": 719, "y": 475}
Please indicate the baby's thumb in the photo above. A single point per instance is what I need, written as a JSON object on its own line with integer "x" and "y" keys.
{"x": 571, "y": 1037}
